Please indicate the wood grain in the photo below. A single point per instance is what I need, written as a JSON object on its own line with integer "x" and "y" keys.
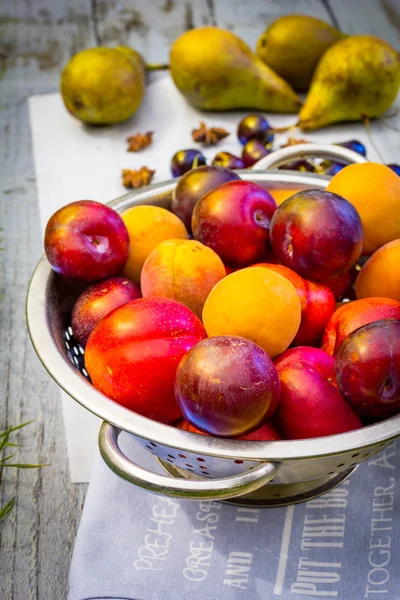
{"x": 37, "y": 537}
{"x": 36, "y": 39}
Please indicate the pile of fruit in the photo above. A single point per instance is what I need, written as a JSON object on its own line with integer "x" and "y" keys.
{"x": 348, "y": 78}
{"x": 236, "y": 317}
{"x": 257, "y": 136}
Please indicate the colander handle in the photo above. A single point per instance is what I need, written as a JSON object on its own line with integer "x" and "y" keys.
{"x": 299, "y": 151}
{"x": 199, "y": 489}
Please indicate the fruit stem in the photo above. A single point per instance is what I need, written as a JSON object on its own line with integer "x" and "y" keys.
{"x": 156, "y": 67}
{"x": 283, "y": 129}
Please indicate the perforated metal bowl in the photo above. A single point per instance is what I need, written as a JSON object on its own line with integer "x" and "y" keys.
{"x": 259, "y": 473}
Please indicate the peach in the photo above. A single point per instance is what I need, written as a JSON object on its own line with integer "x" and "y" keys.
{"x": 183, "y": 270}
{"x": 257, "y": 304}
{"x": 148, "y": 226}
{"x": 380, "y": 276}
{"x": 133, "y": 352}
{"x": 352, "y": 315}
{"x": 374, "y": 190}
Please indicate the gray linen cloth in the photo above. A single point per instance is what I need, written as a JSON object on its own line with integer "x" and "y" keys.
{"x": 134, "y": 545}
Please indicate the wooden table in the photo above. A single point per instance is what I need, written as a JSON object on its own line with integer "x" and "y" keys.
{"x": 37, "y": 37}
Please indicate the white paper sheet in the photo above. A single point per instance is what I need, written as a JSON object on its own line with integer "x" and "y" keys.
{"x": 74, "y": 162}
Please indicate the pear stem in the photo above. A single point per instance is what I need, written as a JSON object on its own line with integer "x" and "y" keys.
{"x": 156, "y": 67}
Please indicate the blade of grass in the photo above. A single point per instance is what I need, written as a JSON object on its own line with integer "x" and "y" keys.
{"x": 11, "y": 429}
{"x": 24, "y": 466}
{"x": 4, "y": 441}
{"x": 6, "y": 508}
{"x": 6, "y": 458}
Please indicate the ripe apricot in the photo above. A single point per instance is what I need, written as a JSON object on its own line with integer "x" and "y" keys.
{"x": 380, "y": 276}
{"x": 183, "y": 270}
{"x": 280, "y": 194}
{"x": 257, "y": 304}
{"x": 374, "y": 190}
{"x": 148, "y": 226}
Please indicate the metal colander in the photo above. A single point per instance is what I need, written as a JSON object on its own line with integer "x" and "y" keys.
{"x": 200, "y": 467}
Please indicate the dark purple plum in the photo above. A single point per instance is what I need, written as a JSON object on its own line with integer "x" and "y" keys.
{"x": 368, "y": 369}
{"x": 184, "y": 160}
{"x": 227, "y": 386}
{"x": 394, "y": 167}
{"x": 354, "y": 145}
{"x": 228, "y": 161}
{"x": 193, "y": 185}
{"x": 333, "y": 168}
{"x": 97, "y": 301}
{"x": 233, "y": 220}
{"x": 302, "y": 165}
{"x": 317, "y": 234}
{"x": 254, "y": 151}
{"x": 255, "y": 127}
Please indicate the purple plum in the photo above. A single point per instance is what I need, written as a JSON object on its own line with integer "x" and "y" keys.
{"x": 227, "y": 386}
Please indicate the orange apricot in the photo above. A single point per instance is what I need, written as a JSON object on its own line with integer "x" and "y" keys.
{"x": 380, "y": 276}
{"x": 148, "y": 226}
{"x": 280, "y": 194}
{"x": 374, "y": 190}
{"x": 182, "y": 270}
{"x": 257, "y": 304}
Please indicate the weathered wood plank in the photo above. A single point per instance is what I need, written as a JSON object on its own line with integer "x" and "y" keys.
{"x": 150, "y": 26}
{"x": 249, "y": 19}
{"x": 376, "y": 17}
{"x": 39, "y": 37}
{"x": 36, "y": 539}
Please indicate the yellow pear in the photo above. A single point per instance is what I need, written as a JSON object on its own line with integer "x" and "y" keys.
{"x": 103, "y": 85}
{"x": 357, "y": 77}
{"x": 216, "y": 70}
{"x": 292, "y": 46}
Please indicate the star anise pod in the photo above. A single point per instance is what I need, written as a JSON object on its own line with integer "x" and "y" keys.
{"x": 139, "y": 141}
{"x": 209, "y": 136}
{"x": 292, "y": 141}
{"x": 137, "y": 179}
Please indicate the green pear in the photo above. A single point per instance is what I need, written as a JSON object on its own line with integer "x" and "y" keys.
{"x": 103, "y": 85}
{"x": 358, "y": 77}
{"x": 292, "y": 46}
{"x": 216, "y": 70}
